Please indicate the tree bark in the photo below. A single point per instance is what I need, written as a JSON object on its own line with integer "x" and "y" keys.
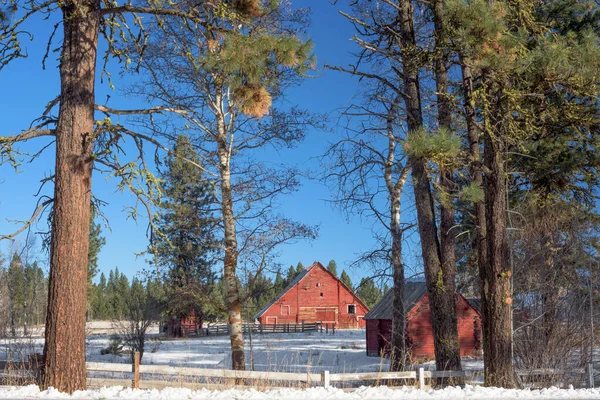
{"x": 64, "y": 349}
{"x": 442, "y": 311}
{"x": 234, "y": 308}
{"x": 398, "y": 356}
{"x": 442, "y": 290}
{"x": 473, "y": 137}
{"x": 496, "y": 290}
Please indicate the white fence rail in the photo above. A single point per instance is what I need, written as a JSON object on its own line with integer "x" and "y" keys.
{"x": 157, "y": 374}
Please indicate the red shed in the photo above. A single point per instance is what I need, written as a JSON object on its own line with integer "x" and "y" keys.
{"x": 184, "y": 324}
{"x": 316, "y": 295}
{"x": 419, "y": 335}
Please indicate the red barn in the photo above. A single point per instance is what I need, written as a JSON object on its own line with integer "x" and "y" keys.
{"x": 419, "y": 335}
{"x": 316, "y": 295}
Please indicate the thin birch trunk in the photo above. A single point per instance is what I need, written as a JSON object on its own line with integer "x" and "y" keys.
{"x": 234, "y": 310}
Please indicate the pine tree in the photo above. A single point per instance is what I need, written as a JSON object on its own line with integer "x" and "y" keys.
{"x": 345, "y": 278}
{"x": 291, "y": 275}
{"x": 262, "y": 291}
{"x": 332, "y": 267}
{"x": 96, "y": 243}
{"x": 185, "y": 219}
{"x": 186, "y": 225}
{"x": 16, "y": 291}
{"x": 99, "y": 306}
{"x": 37, "y": 294}
{"x": 279, "y": 283}
{"x": 368, "y": 292}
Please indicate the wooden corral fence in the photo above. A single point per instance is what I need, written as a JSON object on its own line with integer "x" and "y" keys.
{"x": 221, "y": 330}
{"x": 159, "y": 376}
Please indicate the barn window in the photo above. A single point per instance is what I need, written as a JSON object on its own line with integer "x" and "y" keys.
{"x": 285, "y": 309}
{"x": 351, "y": 308}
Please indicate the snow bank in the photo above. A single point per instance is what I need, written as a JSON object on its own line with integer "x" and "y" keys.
{"x": 381, "y": 392}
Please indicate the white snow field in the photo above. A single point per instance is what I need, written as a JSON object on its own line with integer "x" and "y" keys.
{"x": 343, "y": 352}
{"x": 382, "y": 392}
{"x": 294, "y": 352}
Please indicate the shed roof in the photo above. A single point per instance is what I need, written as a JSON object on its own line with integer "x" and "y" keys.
{"x": 475, "y": 303}
{"x": 413, "y": 292}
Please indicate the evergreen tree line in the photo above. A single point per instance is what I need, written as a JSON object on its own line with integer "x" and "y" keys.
{"x": 23, "y": 291}
{"x": 108, "y": 298}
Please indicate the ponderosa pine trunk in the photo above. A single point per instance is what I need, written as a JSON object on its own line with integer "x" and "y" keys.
{"x": 234, "y": 309}
{"x": 64, "y": 349}
{"x": 496, "y": 299}
{"x": 430, "y": 245}
{"x": 441, "y": 283}
{"x": 475, "y": 167}
{"x": 475, "y": 163}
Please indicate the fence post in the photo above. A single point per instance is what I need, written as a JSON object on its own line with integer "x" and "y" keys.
{"x": 136, "y": 370}
{"x": 333, "y": 329}
{"x": 326, "y": 329}
{"x": 421, "y": 376}
{"x": 302, "y": 325}
{"x": 325, "y": 379}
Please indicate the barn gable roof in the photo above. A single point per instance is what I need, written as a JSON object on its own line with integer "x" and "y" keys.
{"x": 297, "y": 280}
{"x": 413, "y": 292}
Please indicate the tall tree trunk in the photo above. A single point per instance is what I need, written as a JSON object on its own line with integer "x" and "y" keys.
{"x": 497, "y": 340}
{"x": 442, "y": 288}
{"x": 64, "y": 349}
{"x": 398, "y": 349}
{"x": 430, "y": 245}
{"x": 234, "y": 309}
{"x": 473, "y": 136}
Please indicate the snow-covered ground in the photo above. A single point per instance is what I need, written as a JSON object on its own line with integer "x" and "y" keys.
{"x": 382, "y": 392}
{"x": 293, "y": 352}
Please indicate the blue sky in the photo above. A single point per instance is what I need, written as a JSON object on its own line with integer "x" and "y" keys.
{"x": 27, "y": 89}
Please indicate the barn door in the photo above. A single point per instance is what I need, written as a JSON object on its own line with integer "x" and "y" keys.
{"x": 325, "y": 315}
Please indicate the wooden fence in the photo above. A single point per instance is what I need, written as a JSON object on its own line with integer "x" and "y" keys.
{"x": 162, "y": 376}
{"x": 220, "y": 330}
